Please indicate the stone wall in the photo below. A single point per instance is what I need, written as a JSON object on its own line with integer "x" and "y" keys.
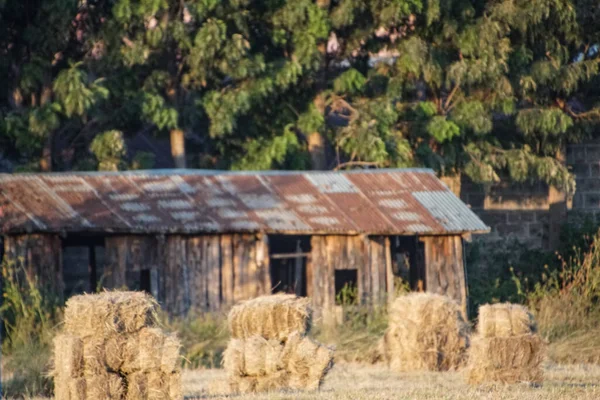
{"x": 517, "y": 211}
{"x": 525, "y": 211}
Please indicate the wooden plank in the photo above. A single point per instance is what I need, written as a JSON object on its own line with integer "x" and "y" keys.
{"x": 375, "y": 262}
{"x": 389, "y": 273}
{"x": 251, "y": 282}
{"x": 214, "y": 275}
{"x": 115, "y": 267}
{"x": 263, "y": 265}
{"x": 227, "y": 273}
{"x": 239, "y": 267}
{"x": 314, "y": 285}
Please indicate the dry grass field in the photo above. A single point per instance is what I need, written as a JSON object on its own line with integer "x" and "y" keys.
{"x": 374, "y": 382}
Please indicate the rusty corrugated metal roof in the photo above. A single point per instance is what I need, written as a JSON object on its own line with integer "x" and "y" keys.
{"x": 383, "y": 201}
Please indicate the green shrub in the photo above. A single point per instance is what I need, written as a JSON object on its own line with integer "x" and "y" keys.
{"x": 29, "y": 316}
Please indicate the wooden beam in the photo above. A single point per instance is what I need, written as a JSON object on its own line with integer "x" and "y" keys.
{"x": 289, "y": 255}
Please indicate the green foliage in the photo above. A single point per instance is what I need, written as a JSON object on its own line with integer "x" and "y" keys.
{"x": 109, "y": 149}
{"x": 74, "y": 93}
{"x": 30, "y": 316}
{"x": 263, "y": 153}
{"x": 484, "y": 88}
{"x": 350, "y": 82}
{"x": 441, "y": 129}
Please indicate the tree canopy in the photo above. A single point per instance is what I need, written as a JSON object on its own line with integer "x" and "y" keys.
{"x": 483, "y": 88}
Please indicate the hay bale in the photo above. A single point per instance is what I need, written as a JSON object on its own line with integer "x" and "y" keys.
{"x": 426, "y": 332}
{"x": 307, "y": 362}
{"x": 505, "y": 320}
{"x": 150, "y": 349}
{"x": 101, "y": 315}
{"x": 255, "y": 356}
{"x": 506, "y": 359}
{"x": 271, "y": 317}
{"x": 153, "y": 385}
{"x": 69, "y": 389}
{"x": 68, "y": 356}
{"x": 106, "y": 386}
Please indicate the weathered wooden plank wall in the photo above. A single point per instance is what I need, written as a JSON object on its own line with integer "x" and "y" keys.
{"x": 445, "y": 268}
{"x": 128, "y": 253}
{"x": 211, "y": 272}
{"x": 40, "y": 257}
{"x": 369, "y": 256}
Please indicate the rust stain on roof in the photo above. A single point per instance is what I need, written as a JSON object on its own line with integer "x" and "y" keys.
{"x": 395, "y": 202}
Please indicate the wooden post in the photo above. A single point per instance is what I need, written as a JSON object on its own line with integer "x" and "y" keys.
{"x": 93, "y": 279}
{"x": 389, "y": 272}
{"x": 227, "y": 277}
{"x": 298, "y": 281}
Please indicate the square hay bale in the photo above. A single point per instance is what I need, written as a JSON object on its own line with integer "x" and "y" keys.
{"x": 107, "y": 386}
{"x": 426, "y": 332}
{"x": 255, "y": 356}
{"x": 154, "y": 385}
{"x": 68, "y": 356}
{"x": 94, "y": 357}
{"x": 103, "y": 314}
{"x": 505, "y": 320}
{"x": 271, "y": 317}
{"x": 506, "y": 359}
{"x": 307, "y": 362}
{"x": 69, "y": 388}
{"x": 144, "y": 351}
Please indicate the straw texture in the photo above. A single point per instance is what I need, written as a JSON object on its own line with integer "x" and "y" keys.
{"x": 426, "y": 332}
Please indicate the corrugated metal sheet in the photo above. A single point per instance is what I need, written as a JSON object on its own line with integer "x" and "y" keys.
{"x": 401, "y": 202}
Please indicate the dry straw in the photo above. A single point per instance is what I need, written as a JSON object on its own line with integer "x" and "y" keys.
{"x": 270, "y": 317}
{"x": 506, "y": 348}
{"x": 269, "y": 350}
{"x": 108, "y": 313}
{"x": 112, "y": 349}
{"x": 426, "y": 332}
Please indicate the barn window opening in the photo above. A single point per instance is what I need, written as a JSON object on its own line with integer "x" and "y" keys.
{"x": 288, "y": 255}
{"x": 346, "y": 288}
{"x": 83, "y": 263}
{"x": 408, "y": 261}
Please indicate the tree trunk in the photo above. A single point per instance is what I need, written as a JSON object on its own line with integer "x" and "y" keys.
{"x": 316, "y": 148}
{"x": 178, "y": 147}
{"x": 46, "y": 160}
{"x": 558, "y": 207}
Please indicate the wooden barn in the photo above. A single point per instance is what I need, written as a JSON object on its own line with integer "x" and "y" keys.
{"x": 203, "y": 240}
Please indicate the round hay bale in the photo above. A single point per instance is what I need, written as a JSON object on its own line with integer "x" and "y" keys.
{"x": 271, "y": 317}
{"x": 68, "y": 356}
{"x": 103, "y": 314}
{"x": 426, "y": 332}
{"x": 505, "y": 320}
{"x": 506, "y": 359}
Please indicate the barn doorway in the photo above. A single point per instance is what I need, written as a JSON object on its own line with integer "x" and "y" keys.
{"x": 83, "y": 263}
{"x": 408, "y": 261}
{"x": 288, "y": 256}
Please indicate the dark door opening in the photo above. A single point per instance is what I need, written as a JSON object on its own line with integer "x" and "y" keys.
{"x": 346, "y": 289}
{"x": 288, "y": 255}
{"x": 83, "y": 263}
{"x": 408, "y": 261}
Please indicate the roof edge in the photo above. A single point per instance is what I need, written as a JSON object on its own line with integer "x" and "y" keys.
{"x": 176, "y": 171}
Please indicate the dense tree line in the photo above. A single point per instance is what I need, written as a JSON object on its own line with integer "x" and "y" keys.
{"x": 484, "y": 88}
